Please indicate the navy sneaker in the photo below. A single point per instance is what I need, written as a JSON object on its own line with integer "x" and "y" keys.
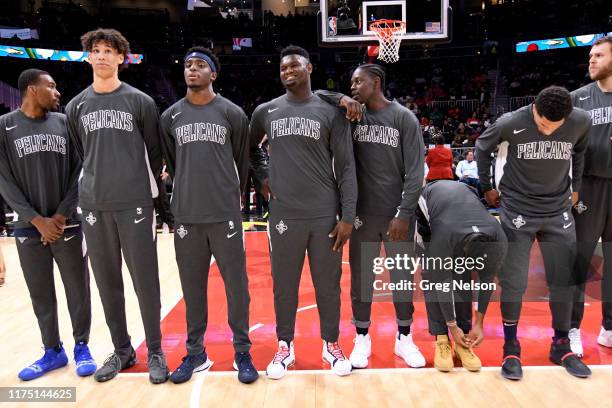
{"x": 85, "y": 364}
{"x": 561, "y": 354}
{"x": 511, "y": 366}
{"x": 54, "y": 358}
{"x": 244, "y": 365}
{"x": 191, "y": 364}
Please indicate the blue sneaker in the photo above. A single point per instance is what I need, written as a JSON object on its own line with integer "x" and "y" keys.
{"x": 246, "y": 370}
{"x": 50, "y": 361}
{"x": 85, "y": 364}
{"x": 190, "y": 365}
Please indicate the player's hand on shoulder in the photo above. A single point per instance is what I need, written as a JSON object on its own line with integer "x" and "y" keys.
{"x": 354, "y": 110}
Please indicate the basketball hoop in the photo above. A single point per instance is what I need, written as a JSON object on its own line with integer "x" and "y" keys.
{"x": 389, "y": 34}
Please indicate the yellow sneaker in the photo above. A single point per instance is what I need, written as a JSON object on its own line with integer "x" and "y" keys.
{"x": 469, "y": 360}
{"x": 443, "y": 357}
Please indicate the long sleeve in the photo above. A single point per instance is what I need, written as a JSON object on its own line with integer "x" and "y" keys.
{"x": 240, "y": 144}
{"x": 333, "y": 98}
{"x": 259, "y": 163}
{"x": 9, "y": 188}
{"x": 150, "y": 134}
{"x": 485, "y": 146}
{"x": 70, "y": 201}
{"x": 459, "y": 170}
{"x": 168, "y": 143}
{"x": 344, "y": 166}
{"x": 578, "y": 154}
{"x": 73, "y": 133}
{"x": 413, "y": 151}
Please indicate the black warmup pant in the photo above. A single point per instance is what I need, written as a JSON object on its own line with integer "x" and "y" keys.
{"x": 463, "y": 305}
{"x": 132, "y": 232}
{"x": 36, "y": 262}
{"x": 593, "y": 214}
{"x": 557, "y": 238}
{"x": 195, "y": 244}
{"x": 289, "y": 239}
{"x": 369, "y": 233}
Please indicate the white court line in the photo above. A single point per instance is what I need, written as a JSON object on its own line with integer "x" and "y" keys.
{"x": 346, "y": 262}
{"x": 301, "y": 309}
{"x": 255, "y": 327}
{"x": 381, "y": 370}
{"x": 194, "y": 398}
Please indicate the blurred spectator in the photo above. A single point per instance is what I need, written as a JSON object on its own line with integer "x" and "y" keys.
{"x": 440, "y": 161}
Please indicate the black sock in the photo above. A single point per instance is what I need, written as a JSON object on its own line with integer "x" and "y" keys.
{"x": 559, "y": 334}
{"x": 362, "y": 330}
{"x": 405, "y": 330}
{"x": 286, "y": 341}
{"x": 510, "y": 331}
{"x": 58, "y": 348}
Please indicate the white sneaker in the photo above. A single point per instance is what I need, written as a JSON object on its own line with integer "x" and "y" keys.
{"x": 332, "y": 353}
{"x": 283, "y": 359}
{"x": 406, "y": 349}
{"x": 576, "y": 342}
{"x": 605, "y": 337}
{"x": 361, "y": 351}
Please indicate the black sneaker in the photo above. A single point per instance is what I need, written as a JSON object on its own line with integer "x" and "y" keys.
{"x": 158, "y": 368}
{"x": 112, "y": 365}
{"x": 561, "y": 354}
{"x": 511, "y": 366}
{"x": 190, "y": 365}
{"x": 247, "y": 373}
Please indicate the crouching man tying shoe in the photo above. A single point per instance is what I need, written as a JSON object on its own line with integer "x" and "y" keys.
{"x": 460, "y": 237}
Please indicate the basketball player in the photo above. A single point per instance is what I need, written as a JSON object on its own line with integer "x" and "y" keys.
{"x": 311, "y": 178}
{"x": 454, "y": 224}
{"x": 115, "y": 129}
{"x": 39, "y": 169}
{"x": 593, "y": 212}
{"x": 389, "y": 152}
{"x": 537, "y": 146}
{"x": 205, "y": 139}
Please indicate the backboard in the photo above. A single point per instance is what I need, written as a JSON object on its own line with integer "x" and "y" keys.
{"x": 347, "y": 22}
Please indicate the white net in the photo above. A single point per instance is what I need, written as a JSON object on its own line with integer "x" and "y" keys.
{"x": 389, "y": 34}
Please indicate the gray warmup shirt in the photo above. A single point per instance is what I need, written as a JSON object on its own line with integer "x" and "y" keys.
{"x": 389, "y": 155}
{"x": 598, "y": 157}
{"x": 39, "y": 167}
{"x": 206, "y": 150}
{"x": 312, "y": 168}
{"x": 117, "y": 136}
{"x": 532, "y": 171}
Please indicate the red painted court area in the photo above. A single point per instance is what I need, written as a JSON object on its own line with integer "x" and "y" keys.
{"x": 534, "y": 329}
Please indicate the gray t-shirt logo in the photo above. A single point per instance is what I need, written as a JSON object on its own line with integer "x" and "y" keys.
{"x": 296, "y": 126}
{"x": 107, "y": 119}
{"x": 40, "y": 143}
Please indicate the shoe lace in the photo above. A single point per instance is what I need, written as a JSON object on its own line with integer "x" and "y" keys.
{"x": 81, "y": 352}
{"x": 113, "y": 358}
{"x": 244, "y": 360}
{"x": 281, "y": 354}
{"x": 335, "y": 350}
{"x": 157, "y": 360}
{"x": 445, "y": 349}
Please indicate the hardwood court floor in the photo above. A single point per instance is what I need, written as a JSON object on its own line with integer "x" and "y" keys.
{"x": 20, "y": 339}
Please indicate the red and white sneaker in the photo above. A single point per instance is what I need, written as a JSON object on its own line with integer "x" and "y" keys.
{"x": 332, "y": 353}
{"x": 283, "y": 359}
